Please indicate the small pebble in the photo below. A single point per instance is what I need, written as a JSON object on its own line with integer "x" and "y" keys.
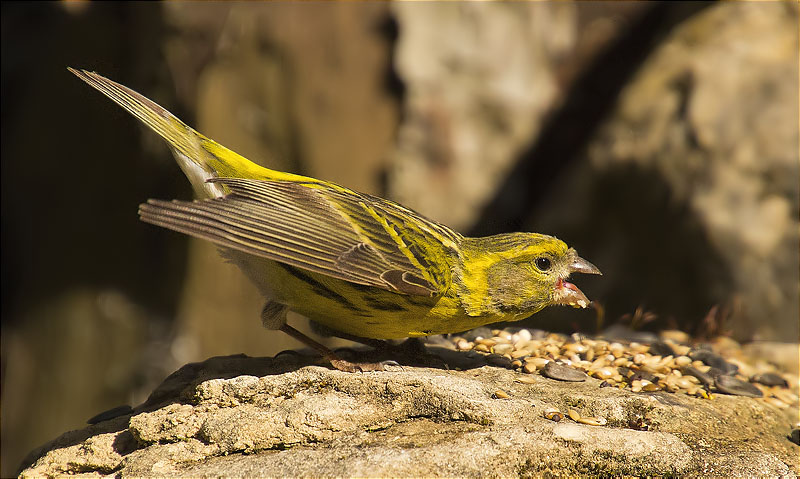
{"x": 737, "y": 387}
{"x": 560, "y": 372}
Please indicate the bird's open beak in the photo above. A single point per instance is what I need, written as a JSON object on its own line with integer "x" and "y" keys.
{"x": 580, "y": 265}
{"x": 569, "y": 294}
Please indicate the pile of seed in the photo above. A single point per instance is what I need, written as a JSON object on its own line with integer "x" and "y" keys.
{"x": 670, "y": 364}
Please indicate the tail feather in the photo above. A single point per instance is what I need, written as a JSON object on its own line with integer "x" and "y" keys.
{"x": 161, "y": 121}
{"x": 199, "y": 157}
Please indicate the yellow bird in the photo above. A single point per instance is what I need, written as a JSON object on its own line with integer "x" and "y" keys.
{"x": 356, "y": 263}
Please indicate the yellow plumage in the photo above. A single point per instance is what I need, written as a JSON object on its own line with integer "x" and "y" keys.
{"x": 359, "y": 264}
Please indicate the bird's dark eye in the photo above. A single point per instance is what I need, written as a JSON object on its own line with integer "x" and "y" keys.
{"x": 542, "y": 263}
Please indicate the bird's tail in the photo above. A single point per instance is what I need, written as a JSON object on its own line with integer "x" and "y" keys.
{"x": 199, "y": 157}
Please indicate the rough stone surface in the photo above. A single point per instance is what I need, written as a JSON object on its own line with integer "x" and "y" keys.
{"x": 238, "y": 416}
{"x": 468, "y": 109}
{"x": 691, "y": 188}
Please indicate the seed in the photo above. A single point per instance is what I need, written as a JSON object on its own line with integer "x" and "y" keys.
{"x": 598, "y": 363}
{"x": 464, "y": 345}
{"x": 639, "y": 359}
{"x": 769, "y": 379}
{"x": 776, "y": 402}
{"x": 675, "y": 335}
{"x": 573, "y": 414}
{"x": 503, "y": 335}
{"x": 681, "y": 350}
{"x": 605, "y": 373}
{"x": 520, "y": 353}
{"x": 524, "y": 335}
{"x": 481, "y": 347}
{"x": 516, "y": 363}
{"x": 552, "y": 349}
{"x": 486, "y": 342}
{"x": 576, "y": 348}
{"x": 651, "y": 387}
{"x": 553, "y": 414}
{"x": 732, "y": 385}
{"x": 684, "y": 382}
{"x": 786, "y": 396}
{"x": 500, "y": 394}
{"x": 593, "y": 421}
{"x": 682, "y": 361}
{"x": 560, "y": 372}
{"x": 526, "y": 380}
{"x": 536, "y": 363}
{"x": 503, "y": 348}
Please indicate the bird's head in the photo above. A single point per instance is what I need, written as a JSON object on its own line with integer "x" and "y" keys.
{"x": 525, "y": 272}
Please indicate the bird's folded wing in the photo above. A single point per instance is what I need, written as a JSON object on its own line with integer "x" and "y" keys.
{"x": 325, "y": 229}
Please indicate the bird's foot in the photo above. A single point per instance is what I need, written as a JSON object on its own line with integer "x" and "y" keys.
{"x": 351, "y": 367}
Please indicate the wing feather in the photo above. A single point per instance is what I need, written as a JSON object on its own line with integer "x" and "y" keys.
{"x": 325, "y": 229}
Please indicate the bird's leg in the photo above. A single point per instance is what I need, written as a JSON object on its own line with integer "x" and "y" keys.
{"x": 325, "y": 331}
{"x": 411, "y": 347}
{"x": 273, "y": 316}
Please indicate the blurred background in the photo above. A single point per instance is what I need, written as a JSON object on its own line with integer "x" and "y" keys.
{"x": 658, "y": 139}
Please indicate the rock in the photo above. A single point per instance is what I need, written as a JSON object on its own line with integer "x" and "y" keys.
{"x": 240, "y": 416}
{"x": 469, "y": 111}
{"x": 693, "y": 178}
